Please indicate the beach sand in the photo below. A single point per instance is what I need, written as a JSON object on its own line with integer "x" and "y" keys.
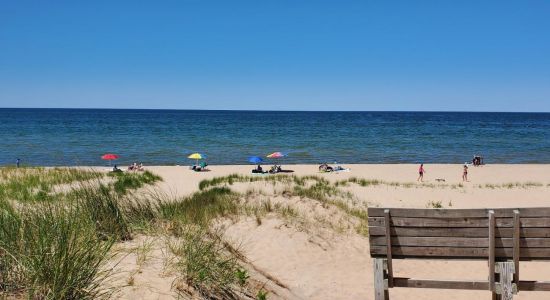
{"x": 321, "y": 264}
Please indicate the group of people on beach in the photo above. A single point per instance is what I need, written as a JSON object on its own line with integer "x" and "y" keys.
{"x": 273, "y": 170}
{"x": 136, "y": 167}
{"x": 421, "y": 172}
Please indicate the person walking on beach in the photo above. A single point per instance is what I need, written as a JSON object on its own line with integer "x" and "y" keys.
{"x": 465, "y": 173}
{"x": 17, "y": 163}
{"x": 421, "y": 173}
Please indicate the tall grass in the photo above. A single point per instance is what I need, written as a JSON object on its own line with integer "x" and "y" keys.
{"x": 102, "y": 206}
{"x": 206, "y": 262}
{"x": 58, "y": 249}
{"x": 201, "y": 207}
{"x": 51, "y": 252}
{"x": 36, "y": 184}
{"x": 125, "y": 181}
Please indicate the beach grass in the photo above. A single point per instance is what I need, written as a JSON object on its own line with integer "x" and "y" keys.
{"x": 201, "y": 207}
{"x": 52, "y": 252}
{"x": 37, "y": 184}
{"x": 206, "y": 263}
{"x": 59, "y": 248}
{"x": 125, "y": 181}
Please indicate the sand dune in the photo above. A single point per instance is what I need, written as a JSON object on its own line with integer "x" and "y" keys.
{"x": 319, "y": 255}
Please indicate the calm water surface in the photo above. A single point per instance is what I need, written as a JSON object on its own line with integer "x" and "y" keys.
{"x": 80, "y": 136}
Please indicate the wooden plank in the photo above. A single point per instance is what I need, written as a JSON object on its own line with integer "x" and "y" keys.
{"x": 517, "y": 244}
{"x": 456, "y": 252}
{"x": 459, "y": 213}
{"x": 388, "y": 247}
{"x": 380, "y": 290}
{"x": 464, "y": 285}
{"x": 506, "y": 271}
{"x": 457, "y": 222}
{"x": 429, "y": 222}
{"x": 491, "y": 250}
{"x": 531, "y": 286}
{"x": 458, "y": 232}
{"x": 397, "y": 241}
{"x": 440, "y": 284}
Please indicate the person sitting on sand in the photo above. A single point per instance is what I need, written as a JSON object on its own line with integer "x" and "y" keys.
{"x": 116, "y": 169}
{"x": 325, "y": 168}
{"x": 421, "y": 172}
{"x": 201, "y": 167}
{"x": 465, "y": 173}
{"x": 140, "y": 167}
{"x": 258, "y": 170}
{"x": 274, "y": 169}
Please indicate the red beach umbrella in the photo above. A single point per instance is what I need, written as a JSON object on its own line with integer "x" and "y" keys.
{"x": 109, "y": 157}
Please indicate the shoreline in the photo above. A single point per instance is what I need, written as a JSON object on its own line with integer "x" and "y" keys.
{"x": 494, "y": 184}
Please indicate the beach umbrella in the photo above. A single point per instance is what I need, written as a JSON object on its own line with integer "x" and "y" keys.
{"x": 109, "y": 157}
{"x": 255, "y": 159}
{"x": 276, "y": 155}
{"x": 197, "y": 156}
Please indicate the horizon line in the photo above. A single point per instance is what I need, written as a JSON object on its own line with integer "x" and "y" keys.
{"x": 274, "y": 110}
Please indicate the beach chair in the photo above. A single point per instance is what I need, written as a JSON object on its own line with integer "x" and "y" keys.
{"x": 502, "y": 236}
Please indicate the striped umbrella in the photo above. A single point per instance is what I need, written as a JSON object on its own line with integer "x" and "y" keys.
{"x": 197, "y": 156}
{"x": 276, "y": 155}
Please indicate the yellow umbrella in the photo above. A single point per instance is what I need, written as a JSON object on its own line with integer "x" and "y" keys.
{"x": 196, "y": 156}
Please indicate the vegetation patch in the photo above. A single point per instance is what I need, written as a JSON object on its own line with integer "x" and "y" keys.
{"x": 125, "y": 181}
{"x": 207, "y": 264}
{"x": 36, "y": 184}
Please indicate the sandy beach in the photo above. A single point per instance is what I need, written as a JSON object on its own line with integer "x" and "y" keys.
{"x": 320, "y": 262}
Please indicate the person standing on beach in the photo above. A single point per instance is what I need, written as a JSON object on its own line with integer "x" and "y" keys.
{"x": 465, "y": 173}
{"x": 421, "y": 173}
{"x": 17, "y": 163}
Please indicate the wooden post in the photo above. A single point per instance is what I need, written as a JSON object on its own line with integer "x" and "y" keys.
{"x": 492, "y": 252}
{"x": 516, "y": 247}
{"x": 387, "y": 222}
{"x": 506, "y": 289}
{"x": 380, "y": 283}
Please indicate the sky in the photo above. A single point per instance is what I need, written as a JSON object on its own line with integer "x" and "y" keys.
{"x": 276, "y": 55}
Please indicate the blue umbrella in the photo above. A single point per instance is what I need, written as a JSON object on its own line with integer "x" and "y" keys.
{"x": 255, "y": 159}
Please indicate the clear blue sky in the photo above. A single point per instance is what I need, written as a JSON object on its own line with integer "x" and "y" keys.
{"x": 276, "y": 54}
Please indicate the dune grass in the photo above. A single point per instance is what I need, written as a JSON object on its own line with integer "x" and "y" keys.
{"x": 125, "y": 181}
{"x": 206, "y": 263}
{"x": 57, "y": 249}
{"x": 201, "y": 207}
{"x": 103, "y": 206}
{"x": 51, "y": 252}
{"x": 311, "y": 187}
{"x": 36, "y": 184}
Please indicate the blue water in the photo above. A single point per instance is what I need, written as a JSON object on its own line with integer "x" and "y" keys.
{"x": 80, "y": 136}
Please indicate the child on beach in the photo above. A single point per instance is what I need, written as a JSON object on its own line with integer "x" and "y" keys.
{"x": 421, "y": 173}
{"x": 465, "y": 173}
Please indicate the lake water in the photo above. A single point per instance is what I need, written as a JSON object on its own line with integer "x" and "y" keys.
{"x": 165, "y": 137}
